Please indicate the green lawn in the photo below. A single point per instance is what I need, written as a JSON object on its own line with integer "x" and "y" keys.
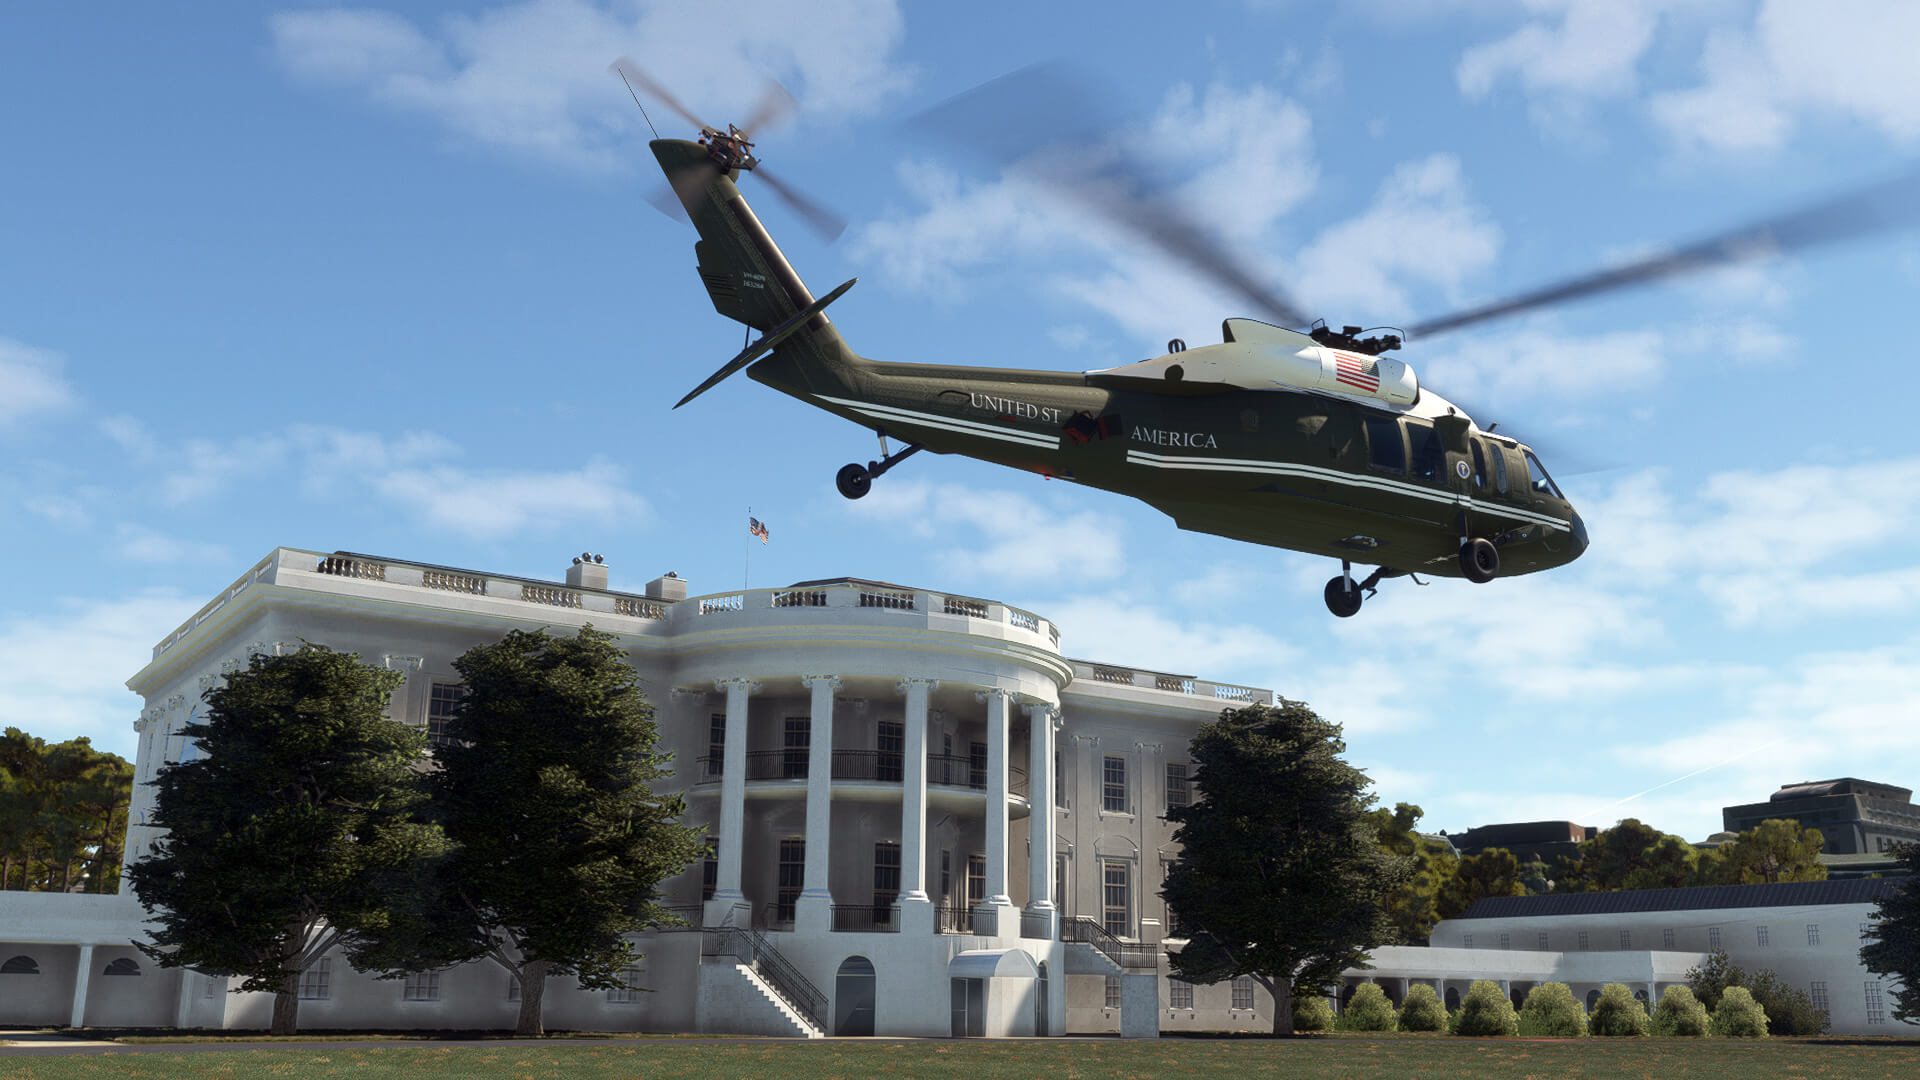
{"x": 1334, "y": 1058}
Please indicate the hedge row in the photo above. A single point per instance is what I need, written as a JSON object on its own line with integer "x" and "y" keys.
{"x": 1550, "y": 1011}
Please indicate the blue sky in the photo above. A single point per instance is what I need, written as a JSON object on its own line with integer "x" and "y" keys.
{"x": 387, "y": 280}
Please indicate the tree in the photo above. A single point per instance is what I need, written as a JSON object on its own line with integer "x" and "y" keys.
{"x": 1369, "y": 1011}
{"x": 560, "y": 841}
{"x": 1423, "y": 1010}
{"x": 1738, "y": 1016}
{"x": 1551, "y": 1012}
{"x": 1618, "y": 1013}
{"x": 1486, "y": 1011}
{"x": 1493, "y": 872}
{"x": 1789, "y": 1010}
{"x": 63, "y": 814}
{"x": 286, "y": 835}
{"x": 1680, "y": 1013}
{"x": 1893, "y": 943}
{"x": 1774, "y": 850}
{"x": 1280, "y": 875}
{"x": 1607, "y": 858}
{"x": 1414, "y": 907}
{"x": 1711, "y": 979}
{"x": 1670, "y": 863}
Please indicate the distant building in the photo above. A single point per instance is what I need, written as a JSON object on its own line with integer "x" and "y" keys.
{"x": 1857, "y": 817}
{"x": 1528, "y": 840}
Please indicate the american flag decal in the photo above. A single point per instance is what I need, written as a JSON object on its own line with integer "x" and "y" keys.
{"x": 1359, "y": 372}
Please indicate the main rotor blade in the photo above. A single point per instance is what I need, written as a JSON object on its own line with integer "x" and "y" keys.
{"x": 1879, "y": 207}
{"x": 1010, "y": 119}
{"x": 824, "y": 221}
{"x": 775, "y": 105}
{"x": 626, "y": 68}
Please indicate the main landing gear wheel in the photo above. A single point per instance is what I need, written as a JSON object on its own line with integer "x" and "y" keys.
{"x": 1343, "y": 597}
{"x": 853, "y": 481}
{"x": 1479, "y": 560}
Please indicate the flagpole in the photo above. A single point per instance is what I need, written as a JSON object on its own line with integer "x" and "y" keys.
{"x": 747, "y": 562}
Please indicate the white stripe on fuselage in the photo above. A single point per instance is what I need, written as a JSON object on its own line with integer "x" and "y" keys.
{"x": 948, "y": 423}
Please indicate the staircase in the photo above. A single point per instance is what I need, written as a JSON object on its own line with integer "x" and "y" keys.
{"x": 1091, "y": 950}
{"x": 748, "y": 988}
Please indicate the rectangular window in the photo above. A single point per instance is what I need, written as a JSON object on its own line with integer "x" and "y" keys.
{"x": 709, "y": 877}
{"x": 1243, "y": 992}
{"x": 1466, "y": 941}
{"x": 1760, "y": 936}
{"x": 1113, "y": 785}
{"x": 1583, "y": 941}
{"x": 793, "y": 760}
{"x": 421, "y": 986}
{"x": 1113, "y": 991}
{"x": 976, "y": 880}
{"x": 1626, "y": 940}
{"x": 1818, "y": 992}
{"x": 1542, "y": 946}
{"x": 1813, "y": 933}
{"x": 1386, "y": 450}
{"x": 886, "y": 881}
{"x": 1179, "y": 789}
{"x": 1179, "y": 994}
{"x": 946, "y": 876}
{"x": 1060, "y": 882}
{"x": 1666, "y": 939}
{"x": 1114, "y": 898}
{"x": 1059, "y": 789}
{"x": 1429, "y": 458}
{"x": 890, "y": 738}
{"x": 791, "y": 878}
{"x": 1713, "y": 939}
{"x": 716, "y": 743}
{"x": 1506, "y": 941}
{"x": 977, "y": 765}
{"x": 513, "y": 988}
{"x": 1876, "y": 1008}
{"x": 316, "y": 979}
{"x": 628, "y": 993}
{"x": 441, "y": 705}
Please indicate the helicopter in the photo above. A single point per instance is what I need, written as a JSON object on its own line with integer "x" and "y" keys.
{"x": 1312, "y": 440}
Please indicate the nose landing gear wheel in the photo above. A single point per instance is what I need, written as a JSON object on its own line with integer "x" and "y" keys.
{"x": 1479, "y": 560}
{"x": 1343, "y": 597}
{"x": 853, "y": 480}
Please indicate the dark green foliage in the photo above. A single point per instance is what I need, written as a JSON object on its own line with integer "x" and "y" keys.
{"x": 1618, "y": 1013}
{"x": 1789, "y": 1010}
{"x": 1414, "y": 907}
{"x": 1486, "y": 1011}
{"x": 63, "y": 814}
{"x": 289, "y": 831}
{"x": 1738, "y": 1016}
{"x": 1552, "y": 1012}
{"x": 1893, "y": 944}
{"x": 1280, "y": 875}
{"x": 561, "y": 842}
{"x": 1493, "y": 872}
{"x": 1368, "y": 1011}
{"x": 1680, "y": 1013}
{"x": 1312, "y": 1012}
{"x": 1632, "y": 855}
{"x": 1774, "y": 850}
{"x": 1423, "y": 1010}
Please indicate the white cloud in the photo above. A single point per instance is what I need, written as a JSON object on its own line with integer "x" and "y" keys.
{"x": 66, "y": 668}
{"x": 30, "y": 383}
{"x": 1592, "y": 50}
{"x": 1124, "y": 628}
{"x": 531, "y": 78}
{"x": 1010, "y": 536}
{"x": 495, "y": 503}
{"x": 138, "y": 543}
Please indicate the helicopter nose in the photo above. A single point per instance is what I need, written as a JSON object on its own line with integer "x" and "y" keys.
{"x": 1579, "y": 529}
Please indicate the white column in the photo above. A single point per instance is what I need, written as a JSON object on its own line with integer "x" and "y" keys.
{"x": 916, "y": 907}
{"x": 999, "y": 702}
{"x": 80, "y": 977}
{"x": 814, "y": 910}
{"x": 733, "y": 806}
{"x": 1041, "y": 722}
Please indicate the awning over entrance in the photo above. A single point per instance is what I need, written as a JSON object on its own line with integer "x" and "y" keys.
{"x": 992, "y": 964}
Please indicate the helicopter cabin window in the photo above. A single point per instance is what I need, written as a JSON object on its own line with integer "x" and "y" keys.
{"x": 1386, "y": 451}
{"x": 1499, "y": 469}
{"x": 1537, "y": 476}
{"x": 1479, "y": 466}
{"x": 1429, "y": 459}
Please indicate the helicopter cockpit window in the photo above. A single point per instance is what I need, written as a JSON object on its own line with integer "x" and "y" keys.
{"x": 1429, "y": 459}
{"x": 1385, "y": 449}
{"x": 1537, "y": 473}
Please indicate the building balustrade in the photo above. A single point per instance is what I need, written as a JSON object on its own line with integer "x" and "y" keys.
{"x": 875, "y": 766}
{"x": 866, "y": 918}
{"x": 953, "y": 920}
{"x": 1176, "y": 684}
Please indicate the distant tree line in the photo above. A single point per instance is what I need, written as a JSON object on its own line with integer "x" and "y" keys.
{"x": 63, "y": 814}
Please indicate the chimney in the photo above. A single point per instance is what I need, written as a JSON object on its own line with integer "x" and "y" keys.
{"x": 670, "y": 587}
{"x": 587, "y": 572}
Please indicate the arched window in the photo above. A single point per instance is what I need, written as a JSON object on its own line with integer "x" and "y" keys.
{"x": 1453, "y": 998}
{"x": 20, "y": 965}
{"x": 1593, "y": 998}
{"x": 123, "y": 966}
{"x": 1040, "y": 1023}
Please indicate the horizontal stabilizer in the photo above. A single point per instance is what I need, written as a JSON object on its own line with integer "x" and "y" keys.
{"x": 767, "y": 341}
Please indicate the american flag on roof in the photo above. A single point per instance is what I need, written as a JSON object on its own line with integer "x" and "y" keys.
{"x": 757, "y": 528}
{"x": 1359, "y": 372}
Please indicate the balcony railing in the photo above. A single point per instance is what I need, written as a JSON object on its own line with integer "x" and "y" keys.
{"x": 875, "y": 766}
{"x": 866, "y": 918}
{"x": 1116, "y": 675}
{"x": 953, "y": 920}
{"x": 1081, "y": 930}
{"x": 689, "y": 915}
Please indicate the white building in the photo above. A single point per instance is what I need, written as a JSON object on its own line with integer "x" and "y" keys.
{"x": 870, "y": 759}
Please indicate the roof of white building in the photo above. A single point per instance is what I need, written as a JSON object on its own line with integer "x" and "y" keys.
{"x": 1779, "y": 894}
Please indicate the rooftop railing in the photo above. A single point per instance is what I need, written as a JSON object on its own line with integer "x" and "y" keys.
{"x": 1140, "y": 678}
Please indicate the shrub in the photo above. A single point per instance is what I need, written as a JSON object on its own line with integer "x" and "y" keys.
{"x": 1368, "y": 1011}
{"x": 1790, "y": 1010}
{"x": 1486, "y": 1011}
{"x": 1618, "y": 1012}
{"x": 1551, "y": 1011}
{"x": 1312, "y": 1012}
{"x": 1680, "y": 1013}
{"x": 1423, "y": 1011}
{"x": 1738, "y": 1016}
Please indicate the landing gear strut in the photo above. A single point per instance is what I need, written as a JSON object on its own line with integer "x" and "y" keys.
{"x": 855, "y": 480}
{"x": 1344, "y": 595}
